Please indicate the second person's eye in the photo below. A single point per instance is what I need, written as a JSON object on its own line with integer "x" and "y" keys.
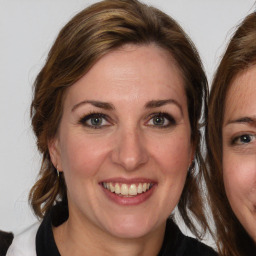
{"x": 243, "y": 139}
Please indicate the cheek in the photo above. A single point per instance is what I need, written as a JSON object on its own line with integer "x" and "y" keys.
{"x": 239, "y": 173}
{"x": 174, "y": 156}
{"x": 174, "y": 160}
{"x": 83, "y": 155}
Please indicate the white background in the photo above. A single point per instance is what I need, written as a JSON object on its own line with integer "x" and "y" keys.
{"x": 27, "y": 30}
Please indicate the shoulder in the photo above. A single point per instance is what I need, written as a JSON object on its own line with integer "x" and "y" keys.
{"x": 176, "y": 243}
{"x": 24, "y": 244}
{"x": 5, "y": 241}
{"x": 195, "y": 247}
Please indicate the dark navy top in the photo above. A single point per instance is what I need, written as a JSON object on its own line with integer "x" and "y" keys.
{"x": 175, "y": 243}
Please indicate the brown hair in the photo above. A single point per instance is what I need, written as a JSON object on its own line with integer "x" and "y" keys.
{"x": 91, "y": 34}
{"x": 231, "y": 237}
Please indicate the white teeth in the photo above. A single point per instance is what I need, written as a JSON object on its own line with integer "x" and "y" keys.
{"x": 117, "y": 189}
{"x": 140, "y": 189}
{"x": 133, "y": 190}
{"x": 112, "y": 188}
{"x": 127, "y": 190}
{"x": 124, "y": 190}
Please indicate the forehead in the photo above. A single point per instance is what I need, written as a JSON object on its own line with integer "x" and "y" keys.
{"x": 241, "y": 96}
{"x": 130, "y": 71}
{"x": 131, "y": 58}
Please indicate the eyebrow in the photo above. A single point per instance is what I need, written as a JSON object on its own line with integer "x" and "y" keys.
{"x": 98, "y": 104}
{"x": 160, "y": 103}
{"x": 109, "y": 106}
{"x": 243, "y": 120}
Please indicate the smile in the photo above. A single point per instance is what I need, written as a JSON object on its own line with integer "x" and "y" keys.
{"x": 127, "y": 190}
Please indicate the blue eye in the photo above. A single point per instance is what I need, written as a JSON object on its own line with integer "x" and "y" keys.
{"x": 161, "y": 120}
{"x": 95, "y": 121}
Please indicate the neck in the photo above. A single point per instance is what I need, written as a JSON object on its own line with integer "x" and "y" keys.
{"x": 79, "y": 240}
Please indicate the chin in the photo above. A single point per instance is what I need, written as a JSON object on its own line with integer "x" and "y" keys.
{"x": 131, "y": 227}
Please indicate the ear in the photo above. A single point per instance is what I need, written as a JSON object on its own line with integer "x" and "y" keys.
{"x": 54, "y": 150}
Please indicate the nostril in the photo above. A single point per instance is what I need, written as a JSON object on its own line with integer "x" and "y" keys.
{"x": 129, "y": 152}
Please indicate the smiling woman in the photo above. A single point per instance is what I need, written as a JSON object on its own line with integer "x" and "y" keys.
{"x": 231, "y": 133}
{"x": 116, "y": 113}
{"x": 239, "y": 165}
{"x": 117, "y": 151}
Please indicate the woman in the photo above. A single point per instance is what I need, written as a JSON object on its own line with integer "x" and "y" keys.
{"x": 231, "y": 144}
{"x": 116, "y": 112}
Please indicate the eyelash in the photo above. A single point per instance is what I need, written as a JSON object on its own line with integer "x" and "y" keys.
{"x": 235, "y": 141}
{"x": 171, "y": 120}
{"x": 97, "y": 115}
{"x": 92, "y": 115}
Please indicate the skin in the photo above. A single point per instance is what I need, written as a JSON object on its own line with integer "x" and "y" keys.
{"x": 239, "y": 148}
{"x": 127, "y": 145}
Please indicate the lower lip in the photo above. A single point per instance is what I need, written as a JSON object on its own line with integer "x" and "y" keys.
{"x": 134, "y": 200}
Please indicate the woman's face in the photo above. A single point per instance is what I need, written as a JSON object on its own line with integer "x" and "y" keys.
{"x": 124, "y": 142}
{"x": 239, "y": 148}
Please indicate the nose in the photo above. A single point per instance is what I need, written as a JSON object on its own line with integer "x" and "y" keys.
{"x": 130, "y": 150}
